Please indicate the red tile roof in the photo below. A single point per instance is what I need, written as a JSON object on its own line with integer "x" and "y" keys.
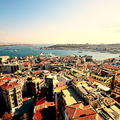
{"x": 90, "y": 117}
{"x": 91, "y": 79}
{"x": 37, "y": 116}
{"x": 48, "y": 104}
{"x": 86, "y": 107}
{"x": 90, "y": 65}
{"x": 26, "y": 98}
{"x": 44, "y": 104}
{"x": 37, "y": 72}
{"x": 80, "y": 112}
{"x": 27, "y": 63}
{"x": 1, "y": 83}
{"x": 118, "y": 72}
{"x": 70, "y": 111}
{"x": 7, "y": 116}
{"x": 41, "y": 63}
{"x": 9, "y": 85}
{"x": 41, "y": 104}
{"x": 5, "y": 78}
{"x": 40, "y": 101}
{"x": 111, "y": 67}
{"x": 75, "y": 105}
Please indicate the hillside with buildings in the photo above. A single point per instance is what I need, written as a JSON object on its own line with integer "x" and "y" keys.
{"x": 112, "y": 48}
{"x": 62, "y": 88}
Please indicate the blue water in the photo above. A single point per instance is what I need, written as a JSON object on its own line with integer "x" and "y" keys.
{"x": 22, "y": 51}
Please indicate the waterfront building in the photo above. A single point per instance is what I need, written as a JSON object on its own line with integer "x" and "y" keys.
{"x": 4, "y": 59}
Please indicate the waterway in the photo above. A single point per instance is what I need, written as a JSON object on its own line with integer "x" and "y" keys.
{"x": 22, "y": 51}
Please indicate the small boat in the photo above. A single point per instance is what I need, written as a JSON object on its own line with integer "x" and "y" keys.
{"x": 15, "y": 50}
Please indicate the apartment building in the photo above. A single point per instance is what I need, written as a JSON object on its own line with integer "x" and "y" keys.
{"x": 12, "y": 95}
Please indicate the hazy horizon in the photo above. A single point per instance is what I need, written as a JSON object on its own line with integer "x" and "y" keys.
{"x": 60, "y": 22}
{"x": 10, "y": 43}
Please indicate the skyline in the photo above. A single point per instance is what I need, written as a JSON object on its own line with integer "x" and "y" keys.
{"x": 59, "y": 22}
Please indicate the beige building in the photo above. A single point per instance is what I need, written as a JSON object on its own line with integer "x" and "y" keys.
{"x": 68, "y": 99}
{"x": 34, "y": 85}
{"x": 10, "y": 68}
{"x": 4, "y": 58}
{"x": 12, "y": 95}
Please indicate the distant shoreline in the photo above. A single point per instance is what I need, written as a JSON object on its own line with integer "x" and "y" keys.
{"x": 25, "y": 45}
{"x": 110, "y": 48}
{"x": 7, "y": 45}
{"x": 103, "y": 48}
{"x": 18, "y": 45}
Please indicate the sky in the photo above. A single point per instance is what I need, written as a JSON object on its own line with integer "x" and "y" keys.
{"x": 60, "y": 21}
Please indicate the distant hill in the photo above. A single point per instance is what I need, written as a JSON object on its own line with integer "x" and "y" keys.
{"x": 4, "y": 44}
{"x": 22, "y": 44}
{"x": 113, "y": 48}
{"x": 78, "y": 46}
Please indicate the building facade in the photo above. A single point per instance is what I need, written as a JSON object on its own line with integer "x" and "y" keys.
{"x": 12, "y": 95}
